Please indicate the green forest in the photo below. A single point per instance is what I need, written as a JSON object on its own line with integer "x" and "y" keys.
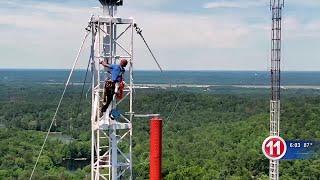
{"x": 207, "y": 135}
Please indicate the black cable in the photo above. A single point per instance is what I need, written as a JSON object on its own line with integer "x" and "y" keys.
{"x": 85, "y": 77}
{"x": 139, "y": 31}
{"x": 83, "y": 85}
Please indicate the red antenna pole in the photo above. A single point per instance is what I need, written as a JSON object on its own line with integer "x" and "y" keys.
{"x": 155, "y": 148}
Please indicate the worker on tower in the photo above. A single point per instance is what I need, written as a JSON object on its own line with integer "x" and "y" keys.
{"x": 115, "y": 84}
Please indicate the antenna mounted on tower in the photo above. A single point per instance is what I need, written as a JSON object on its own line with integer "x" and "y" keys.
{"x": 111, "y": 2}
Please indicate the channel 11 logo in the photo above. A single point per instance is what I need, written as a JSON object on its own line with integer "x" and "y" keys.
{"x": 274, "y": 147}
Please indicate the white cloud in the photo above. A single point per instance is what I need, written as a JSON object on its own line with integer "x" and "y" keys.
{"x": 192, "y": 31}
{"x": 233, "y": 4}
{"x": 213, "y": 5}
{"x": 304, "y": 2}
{"x": 55, "y": 28}
{"x": 145, "y": 3}
{"x": 255, "y": 3}
{"x": 295, "y": 28}
{"x": 48, "y": 35}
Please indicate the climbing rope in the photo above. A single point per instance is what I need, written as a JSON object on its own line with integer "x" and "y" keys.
{"x": 59, "y": 104}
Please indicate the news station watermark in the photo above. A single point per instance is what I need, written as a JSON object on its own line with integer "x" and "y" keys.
{"x": 276, "y": 148}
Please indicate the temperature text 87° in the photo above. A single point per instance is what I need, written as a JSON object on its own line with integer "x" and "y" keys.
{"x": 297, "y": 145}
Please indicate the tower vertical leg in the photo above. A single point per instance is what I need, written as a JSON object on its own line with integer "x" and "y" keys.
{"x": 114, "y": 154}
{"x": 131, "y": 98}
{"x": 92, "y": 102}
{"x": 274, "y": 131}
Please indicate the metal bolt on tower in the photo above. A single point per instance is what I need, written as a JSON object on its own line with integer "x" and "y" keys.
{"x": 276, "y": 8}
{"x": 111, "y": 148}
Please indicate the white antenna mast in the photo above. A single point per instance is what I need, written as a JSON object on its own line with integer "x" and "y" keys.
{"x": 111, "y": 150}
{"x": 276, "y": 8}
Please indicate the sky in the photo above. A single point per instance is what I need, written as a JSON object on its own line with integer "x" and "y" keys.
{"x": 184, "y": 34}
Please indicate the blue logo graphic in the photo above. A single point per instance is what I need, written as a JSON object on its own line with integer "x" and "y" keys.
{"x": 302, "y": 149}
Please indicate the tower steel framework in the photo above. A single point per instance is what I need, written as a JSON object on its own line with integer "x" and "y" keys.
{"x": 111, "y": 148}
{"x": 276, "y": 8}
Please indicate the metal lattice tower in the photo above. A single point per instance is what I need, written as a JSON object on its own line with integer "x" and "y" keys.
{"x": 276, "y": 8}
{"x": 111, "y": 148}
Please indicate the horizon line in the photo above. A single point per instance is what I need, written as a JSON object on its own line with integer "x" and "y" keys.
{"x": 154, "y": 70}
